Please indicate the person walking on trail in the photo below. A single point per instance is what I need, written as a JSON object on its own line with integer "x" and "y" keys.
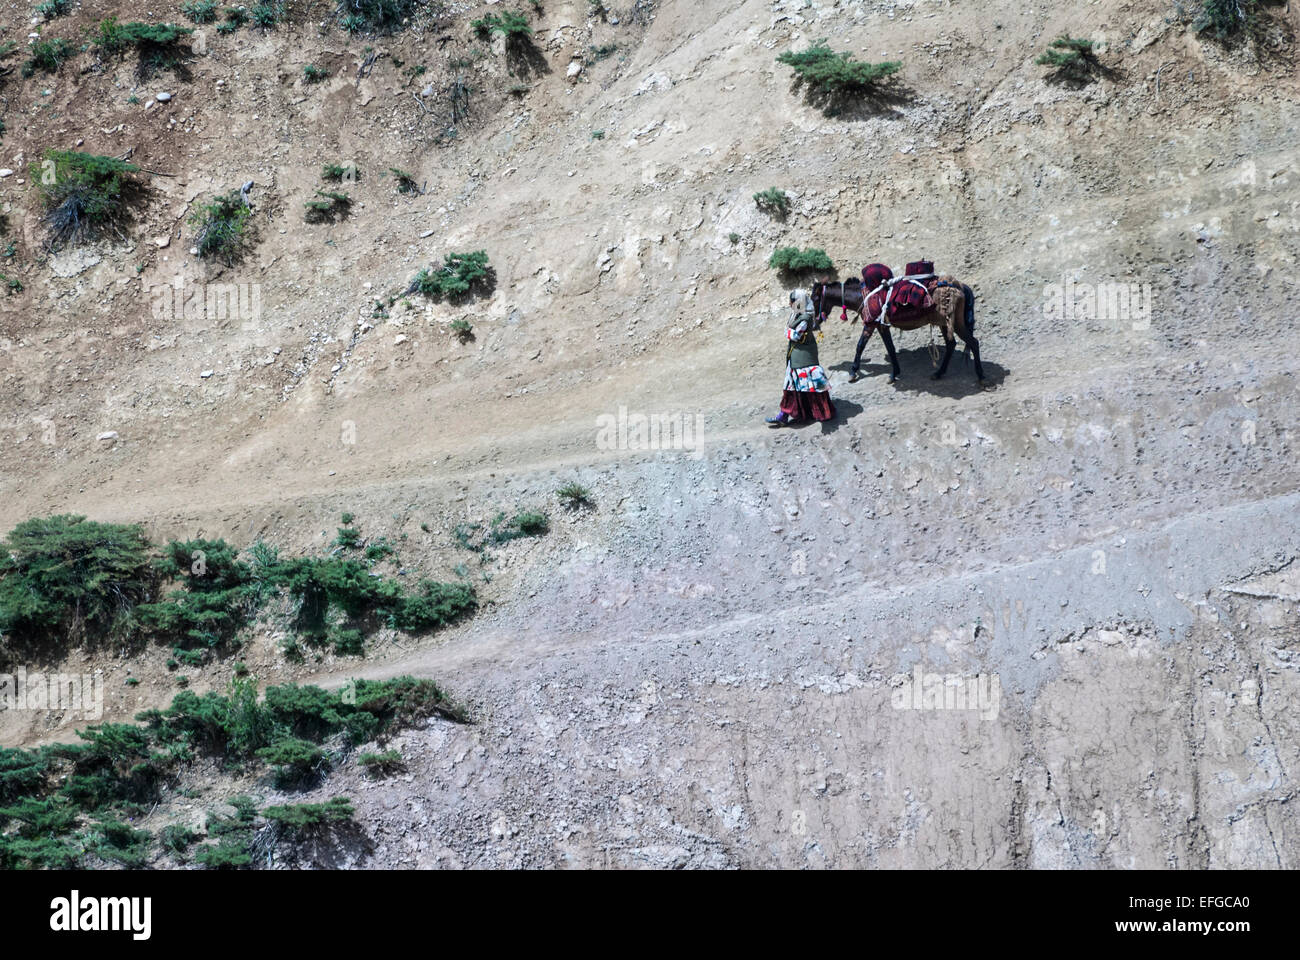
{"x": 807, "y": 389}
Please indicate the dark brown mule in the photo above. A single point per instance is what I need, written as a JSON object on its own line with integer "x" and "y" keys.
{"x": 953, "y": 313}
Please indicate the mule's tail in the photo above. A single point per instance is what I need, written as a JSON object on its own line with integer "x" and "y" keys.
{"x": 970, "y": 313}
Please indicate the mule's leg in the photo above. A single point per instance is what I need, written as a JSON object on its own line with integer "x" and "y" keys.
{"x": 867, "y": 330}
{"x": 893, "y": 354}
{"x": 949, "y": 343}
{"x": 975, "y": 352}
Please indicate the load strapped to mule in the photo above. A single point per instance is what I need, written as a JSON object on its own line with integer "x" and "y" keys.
{"x": 891, "y": 299}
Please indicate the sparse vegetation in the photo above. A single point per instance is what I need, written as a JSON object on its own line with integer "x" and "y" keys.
{"x": 773, "y": 200}
{"x": 1225, "y": 20}
{"x": 51, "y": 9}
{"x": 68, "y": 579}
{"x": 305, "y": 817}
{"x": 200, "y": 11}
{"x": 462, "y": 329}
{"x": 329, "y": 206}
{"x": 830, "y": 73}
{"x": 157, "y": 45}
{"x": 512, "y": 24}
{"x": 458, "y": 275}
{"x": 794, "y": 260}
{"x": 314, "y": 74}
{"x": 48, "y": 55}
{"x": 266, "y": 15}
{"x": 1070, "y": 58}
{"x": 339, "y": 172}
{"x": 357, "y": 16}
{"x": 381, "y": 764}
{"x": 224, "y": 228}
{"x": 405, "y": 182}
{"x": 235, "y": 17}
{"x": 574, "y": 496}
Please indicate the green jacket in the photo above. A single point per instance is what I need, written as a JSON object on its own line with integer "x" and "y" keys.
{"x": 803, "y": 350}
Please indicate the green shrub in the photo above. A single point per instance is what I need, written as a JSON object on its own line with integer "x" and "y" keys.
{"x": 1070, "y": 58}
{"x": 296, "y": 761}
{"x": 42, "y": 853}
{"x": 200, "y": 11}
{"x": 216, "y": 599}
{"x": 230, "y": 854}
{"x": 223, "y": 228}
{"x": 374, "y": 14}
{"x": 349, "y": 643}
{"x": 829, "y": 73}
{"x": 459, "y": 273}
{"x": 66, "y": 574}
{"x": 234, "y": 18}
{"x": 85, "y": 195}
{"x": 348, "y": 538}
{"x": 512, "y": 24}
{"x": 53, "y": 8}
{"x": 381, "y": 764}
{"x": 330, "y": 206}
{"x": 176, "y": 839}
{"x": 235, "y": 725}
{"x": 306, "y": 817}
{"x": 46, "y": 817}
{"x": 346, "y": 518}
{"x": 314, "y": 74}
{"x": 773, "y": 200}
{"x": 574, "y": 495}
{"x": 794, "y": 260}
{"x": 22, "y": 773}
{"x": 462, "y": 329}
{"x": 120, "y": 843}
{"x": 405, "y": 182}
{"x": 266, "y": 15}
{"x": 158, "y": 45}
{"x": 48, "y": 55}
{"x": 1225, "y": 20}
{"x": 433, "y": 605}
{"x": 378, "y": 550}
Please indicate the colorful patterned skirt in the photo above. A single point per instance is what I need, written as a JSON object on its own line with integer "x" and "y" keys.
{"x": 807, "y": 394}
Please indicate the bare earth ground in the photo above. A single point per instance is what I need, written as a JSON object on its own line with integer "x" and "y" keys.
{"x": 702, "y": 671}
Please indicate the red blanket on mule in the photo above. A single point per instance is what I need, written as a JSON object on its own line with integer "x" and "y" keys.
{"x": 900, "y": 297}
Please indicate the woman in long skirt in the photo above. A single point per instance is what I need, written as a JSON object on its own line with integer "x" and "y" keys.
{"x": 807, "y": 393}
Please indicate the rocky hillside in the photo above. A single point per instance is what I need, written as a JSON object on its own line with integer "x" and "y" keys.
{"x": 712, "y": 665}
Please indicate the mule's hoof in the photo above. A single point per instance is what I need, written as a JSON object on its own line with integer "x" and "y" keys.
{"x": 854, "y": 377}
{"x": 893, "y": 379}
{"x": 936, "y": 375}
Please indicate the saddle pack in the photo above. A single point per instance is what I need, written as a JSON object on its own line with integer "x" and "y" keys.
{"x": 900, "y": 298}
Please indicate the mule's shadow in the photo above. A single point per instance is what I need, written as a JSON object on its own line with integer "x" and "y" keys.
{"x": 914, "y": 362}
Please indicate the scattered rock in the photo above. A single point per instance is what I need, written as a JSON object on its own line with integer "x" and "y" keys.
{"x": 163, "y": 97}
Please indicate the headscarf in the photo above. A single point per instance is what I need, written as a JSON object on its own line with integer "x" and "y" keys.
{"x": 801, "y": 300}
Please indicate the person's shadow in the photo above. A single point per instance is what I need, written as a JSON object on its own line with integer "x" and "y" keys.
{"x": 844, "y": 410}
